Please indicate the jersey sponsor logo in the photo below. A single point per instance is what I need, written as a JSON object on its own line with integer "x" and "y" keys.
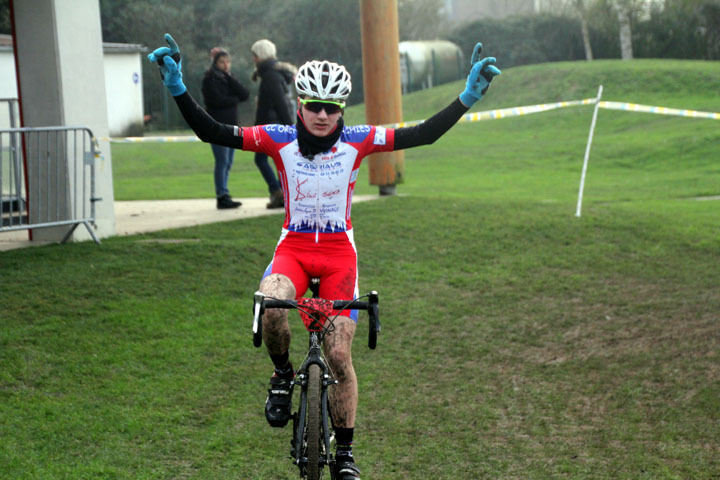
{"x": 280, "y": 128}
{"x": 379, "y": 136}
{"x": 280, "y": 133}
{"x": 355, "y": 134}
{"x": 332, "y": 156}
{"x": 358, "y": 129}
{"x": 318, "y": 166}
{"x": 300, "y": 194}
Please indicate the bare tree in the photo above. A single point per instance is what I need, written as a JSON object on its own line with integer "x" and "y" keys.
{"x": 623, "y": 8}
{"x": 580, "y": 7}
{"x": 627, "y": 11}
{"x": 573, "y": 8}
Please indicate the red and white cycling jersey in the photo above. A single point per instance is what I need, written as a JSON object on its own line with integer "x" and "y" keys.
{"x": 318, "y": 192}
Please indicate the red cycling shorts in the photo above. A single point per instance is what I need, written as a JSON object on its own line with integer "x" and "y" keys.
{"x": 332, "y": 259}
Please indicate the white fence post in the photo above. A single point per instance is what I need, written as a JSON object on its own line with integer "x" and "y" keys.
{"x": 587, "y": 152}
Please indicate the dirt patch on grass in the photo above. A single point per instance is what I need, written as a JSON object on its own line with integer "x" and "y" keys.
{"x": 635, "y": 320}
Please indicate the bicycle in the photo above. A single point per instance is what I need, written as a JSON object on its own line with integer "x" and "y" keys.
{"x": 312, "y": 430}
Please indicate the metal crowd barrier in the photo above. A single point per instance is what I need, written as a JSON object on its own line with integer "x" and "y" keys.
{"x": 47, "y": 179}
{"x": 11, "y": 120}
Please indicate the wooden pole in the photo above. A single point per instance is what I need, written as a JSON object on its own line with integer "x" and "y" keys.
{"x": 381, "y": 78}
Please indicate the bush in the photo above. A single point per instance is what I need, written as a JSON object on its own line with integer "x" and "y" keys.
{"x": 524, "y": 40}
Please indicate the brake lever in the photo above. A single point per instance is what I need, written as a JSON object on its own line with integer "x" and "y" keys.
{"x": 258, "y": 310}
{"x": 374, "y": 310}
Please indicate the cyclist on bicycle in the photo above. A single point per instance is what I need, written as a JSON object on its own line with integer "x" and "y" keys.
{"x": 318, "y": 161}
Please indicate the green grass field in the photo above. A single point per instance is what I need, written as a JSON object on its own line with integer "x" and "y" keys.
{"x": 518, "y": 341}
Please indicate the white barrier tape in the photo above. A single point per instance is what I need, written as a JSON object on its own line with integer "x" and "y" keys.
{"x": 189, "y": 138}
{"x": 634, "y": 107}
{"x": 505, "y": 112}
{"x": 470, "y": 117}
{"x": 486, "y": 115}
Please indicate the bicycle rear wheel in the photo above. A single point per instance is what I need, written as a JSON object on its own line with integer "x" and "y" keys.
{"x": 314, "y": 423}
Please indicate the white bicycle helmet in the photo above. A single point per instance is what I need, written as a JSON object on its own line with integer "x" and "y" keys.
{"x": 324, "y": 80}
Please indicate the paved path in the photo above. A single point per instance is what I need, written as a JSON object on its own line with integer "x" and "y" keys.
{"x": 152, "y": 215}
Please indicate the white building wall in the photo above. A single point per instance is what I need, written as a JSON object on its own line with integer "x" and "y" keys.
{"x": 8, "y": 83}
{"x": 8, "y": 88}
{"x": 123, "y": 90}
{"x": 60, "y": 58}
{"x": 123, "y": 86}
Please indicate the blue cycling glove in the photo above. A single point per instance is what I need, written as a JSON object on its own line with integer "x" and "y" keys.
{"x": 481, "y": 74}
{"x": 170, "y": 63}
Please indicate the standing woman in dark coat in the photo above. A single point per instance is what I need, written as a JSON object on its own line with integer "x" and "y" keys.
{"x": 273, "y": 105}
{"x": 222, "y": 93}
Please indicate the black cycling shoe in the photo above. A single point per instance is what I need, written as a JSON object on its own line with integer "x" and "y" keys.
{"x": 279, "y": 401}
{"x": 345, "y": 469}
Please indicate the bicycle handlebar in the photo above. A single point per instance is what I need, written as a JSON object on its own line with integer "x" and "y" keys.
{"x": 261, "y": 302}
{"x": 337, "y": 304}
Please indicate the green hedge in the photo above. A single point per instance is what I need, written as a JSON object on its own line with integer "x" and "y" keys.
{"x": 683, "y": 30}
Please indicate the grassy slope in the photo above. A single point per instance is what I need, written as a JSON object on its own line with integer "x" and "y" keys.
{"x": 518, "y": 341}
{"x": 141, "y": 170}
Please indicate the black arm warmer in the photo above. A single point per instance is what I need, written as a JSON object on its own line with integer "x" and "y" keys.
{"x": 205, "y": 127}
{"x": 211, "y": 131}
{"x": 431, "y": 129}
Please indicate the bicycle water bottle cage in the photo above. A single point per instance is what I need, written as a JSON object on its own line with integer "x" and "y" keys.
{"x": 318, "y": 309}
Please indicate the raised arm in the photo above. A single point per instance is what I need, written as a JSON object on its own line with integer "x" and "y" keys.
{"x": 205, "y": 127}
{"x": 481, "y": 74}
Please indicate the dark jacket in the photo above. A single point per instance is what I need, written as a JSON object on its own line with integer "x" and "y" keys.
{"x": 222, "y": 93}
{"x": 274, "y": 104}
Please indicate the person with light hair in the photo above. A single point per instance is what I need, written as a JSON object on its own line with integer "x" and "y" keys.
{"x": 273, "y": 106}
{"x": 318, "y": 160}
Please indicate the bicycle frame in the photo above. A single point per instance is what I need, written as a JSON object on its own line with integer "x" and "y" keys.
{"x": 314, "y": 377}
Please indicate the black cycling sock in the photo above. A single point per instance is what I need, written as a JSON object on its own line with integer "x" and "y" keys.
{"x": 283, "y": 367}
{"x": 343, "y": 442}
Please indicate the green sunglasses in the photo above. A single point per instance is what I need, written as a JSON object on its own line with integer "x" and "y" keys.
{"x": 316, "y": 106}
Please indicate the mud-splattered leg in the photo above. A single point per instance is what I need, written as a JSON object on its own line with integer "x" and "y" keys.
{"x": 344, "y": 396}
{"x": 276, "y": 331}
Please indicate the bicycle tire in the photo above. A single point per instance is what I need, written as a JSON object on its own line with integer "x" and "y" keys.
{"x": 314, "y": 425}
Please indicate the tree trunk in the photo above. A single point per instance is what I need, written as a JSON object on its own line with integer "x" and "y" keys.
{"x": 584, "y": 29}
{"x": 586, "y": 38}
{"x": 626, "y": 49}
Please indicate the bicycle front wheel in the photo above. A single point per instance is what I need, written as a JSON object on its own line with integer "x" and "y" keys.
{"x": 314, "y": 423}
